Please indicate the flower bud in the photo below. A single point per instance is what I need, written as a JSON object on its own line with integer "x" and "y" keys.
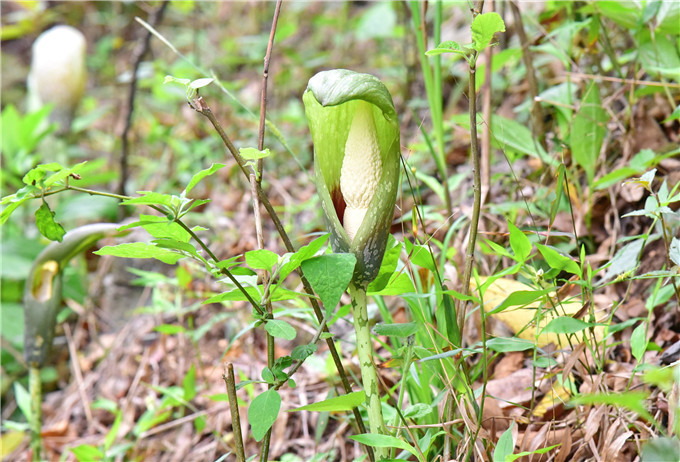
{"x": 58, "y": 73}
{"x": 355, "y": 132}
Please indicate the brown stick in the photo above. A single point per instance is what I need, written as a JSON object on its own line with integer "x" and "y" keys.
{"x": 230, "y": 382}
{"x": 137, "y": 55}
{"x": 263, "y": 98}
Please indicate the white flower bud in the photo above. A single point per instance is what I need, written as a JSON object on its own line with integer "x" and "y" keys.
{"x": 57, "y": 73}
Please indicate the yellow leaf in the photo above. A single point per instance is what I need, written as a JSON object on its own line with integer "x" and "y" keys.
{"x": 522, "y": 319}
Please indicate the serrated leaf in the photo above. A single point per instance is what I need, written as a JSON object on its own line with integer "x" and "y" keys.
{"x": 484, "y": 26}
{"x": 403, "y": 330}
{"x": 261, "y": 259}
{"x": 202, "y": 174}
{"x": 278, "y": 294}
{"x": 303, "y": 253}
{"x": 150, "y": 198}
{"x": 262, "y": 412}
{"x": 280, "y": 329}
{"x": 337, "y": 404}
{"x": 140, "y": 250}
{"x": 329, "y": 276}
{"x": 301, "y": 352}
{"x": 48, "y": 227}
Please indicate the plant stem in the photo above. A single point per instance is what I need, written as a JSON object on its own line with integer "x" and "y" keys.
{"x": 35, "y": 390}
{"x": 233, "y": 408}
{"x": 477, "y": 188}
{"x": 369, "y": 377}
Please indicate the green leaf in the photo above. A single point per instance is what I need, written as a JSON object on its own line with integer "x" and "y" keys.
{"x": 140, "y": 250}
{"x": 633, "y": 400}
{"x": 339, "y": 403}
{"x": 151, "y": 198}
{"x": 507, "y": 344}
{"x": 417, "y": 411}
{"x": 520, "y": 298}
{"x": 329, "y": 276}
{"x": 675, "y": 115}
{"x": 674, "y": 251}
{"x": 303, "y": 253}
{"x": 558, "y": 261}
{"x": 388, "y": 266}
{"x": 638, "y": 341}
{"x": 508, "y": 133}
{"x": 189, "y": 384}
{"x": 302, "y": 352}
{"x": 588, "y": 131}
{"x": 449, "y": 46}
{"x": 23, "y": 400}
{"x": 505, "y": 446}
{"x": 87, "y": 453}
{"x": 661, "y": 449}
{"x": 626, "y": 259}
{"x": 280, "y": 329}
{"x": 44, "y": 220}
{"x": 385, "y": 441}
{"x": 484, "y": 26}
{"x": 262, "y": 412}
{"x": 403, "y": 330}
{"x": 520, "y": 243}
{"x": 253, "y": 154}
{"x": 169, "y": 329}
{"x": 277, "y": 294}
{"x": 261, "y": 259}
{"x": 160, "y": 227}
{"x": 202, "y": 174}
{"x": 566, "y": 325}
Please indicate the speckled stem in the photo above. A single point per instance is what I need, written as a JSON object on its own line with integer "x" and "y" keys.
{"x": 368, "y": 375}
{"x": 35, "y": 390}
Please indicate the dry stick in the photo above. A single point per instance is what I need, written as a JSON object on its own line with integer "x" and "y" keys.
{"x": 200, "y": 106}
{"x": 255, "y": 180}
{"x": 137, "y": 56}
{"x": 263, "y": 99}
{"x": 230, "y": 382}
{"x": 537, "y": 129}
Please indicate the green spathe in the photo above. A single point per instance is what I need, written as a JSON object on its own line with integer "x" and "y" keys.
{"x": 331, "y": 101}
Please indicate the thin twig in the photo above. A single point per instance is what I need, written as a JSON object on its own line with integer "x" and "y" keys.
{"x": 233, "y": 409}
{"x": 255, "y": 180}
{"x": 263, "y": 98}
{"x": 78, "y": 375}
{"x": 137, "y": 55}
